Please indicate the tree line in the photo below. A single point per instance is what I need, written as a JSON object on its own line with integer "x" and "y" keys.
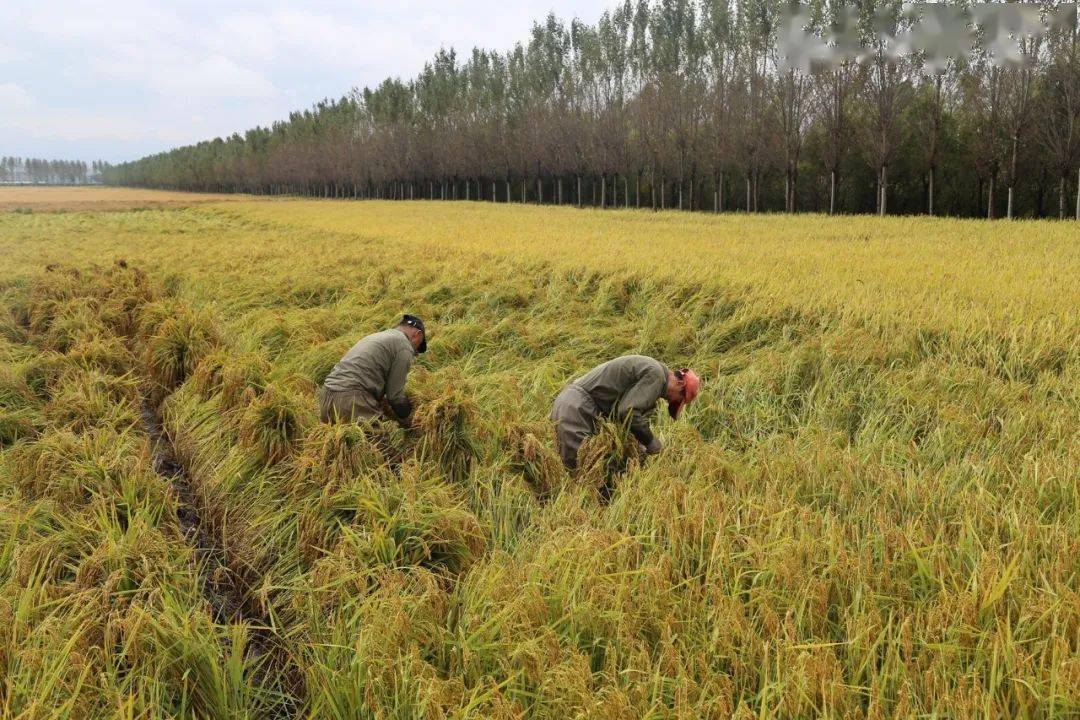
{"x": 52, "y": 172}
{"x": 687, "y": 104}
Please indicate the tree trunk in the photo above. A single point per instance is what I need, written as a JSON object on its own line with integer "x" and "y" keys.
{"x": 523, "y": 187}
{"x": 1012, "y": 174}
{"x": 558, "y": 185}
{"x": 1061, "y": 198}
{"x": 539, "y": 191}
{"x": 832, "y": 192}
{"x": 884, "y": 189}
{"x": 930, "y": 198}
{"x": 603, "y": 191}
{"x": 637, "y": 193}
{"x": 1078, "y": 194}
{"x": 626, "y": 191}
{"x": 577, "y": 193}
{"x": 508, "y": 190}
{"x": 720, "y": 193}
{"x": 990, "y": 201}
{"x": 747, "y": 191}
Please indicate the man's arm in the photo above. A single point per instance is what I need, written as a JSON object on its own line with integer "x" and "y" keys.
{"x": 638, "y": 404}
{"x": 395, "y": 385}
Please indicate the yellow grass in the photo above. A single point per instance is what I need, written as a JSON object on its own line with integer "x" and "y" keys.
{"x": 909, "y": 270}
{"x": 872, "y": 511}
{"x": 75, "y": 198}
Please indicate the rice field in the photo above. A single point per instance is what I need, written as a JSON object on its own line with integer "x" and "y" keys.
{"x": 872, "y": 510}
{"x": 61, "y": 198}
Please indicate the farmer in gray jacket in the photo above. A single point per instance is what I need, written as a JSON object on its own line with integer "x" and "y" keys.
{"x": 625, "y": 389}
{"x": 374, "y": 369}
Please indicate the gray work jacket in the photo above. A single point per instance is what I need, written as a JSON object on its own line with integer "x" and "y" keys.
{"x": 378, "y": 365}
{"x": 627, "y": 387}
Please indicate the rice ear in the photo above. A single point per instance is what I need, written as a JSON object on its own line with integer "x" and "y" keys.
{"x": 273, "y": 426}
{"x": 177, "y": 345}
{"x": 332, "y": 454}
{"x": 606, "y": 456}
{"x": 534, "y": 458}
{"x": 231, "y": 376}
{"x": 446, "y": 417}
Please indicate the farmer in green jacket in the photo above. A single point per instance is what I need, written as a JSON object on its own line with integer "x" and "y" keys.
{"x": 373, "y": 370}
{"x": 625, "y": 389}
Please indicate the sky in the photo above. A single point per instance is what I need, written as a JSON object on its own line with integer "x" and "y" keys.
{"x": 119, "y": 80}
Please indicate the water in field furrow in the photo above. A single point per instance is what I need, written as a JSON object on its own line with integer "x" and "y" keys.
{"x": 219, "y": 591}
{"x": 217, "y": 581}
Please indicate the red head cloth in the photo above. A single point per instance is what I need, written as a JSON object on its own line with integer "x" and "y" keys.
{"x": 691, "y": 387}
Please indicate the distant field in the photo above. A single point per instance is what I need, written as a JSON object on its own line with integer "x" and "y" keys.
{"x": 53, "y": 198}
{"x": 872, "y": 511}
{"x": 909, "y": 270}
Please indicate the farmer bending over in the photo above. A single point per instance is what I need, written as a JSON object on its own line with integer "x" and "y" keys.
{"x": 374, "y": 369}
{"x": 625, "y": 389}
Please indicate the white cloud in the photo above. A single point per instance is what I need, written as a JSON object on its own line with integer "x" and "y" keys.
{"x": 143, "y": 76}
{"x": 176, "y": 77}
{"x": 9, "y": 54}
{"x": 246, "y": 35}
{"x": 78, "y": 125}
{"x": 14, "y": 97}
{"x": 212, "y": 78}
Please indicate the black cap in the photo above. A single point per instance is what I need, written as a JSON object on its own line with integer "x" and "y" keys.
{"x": 413, "y": 321}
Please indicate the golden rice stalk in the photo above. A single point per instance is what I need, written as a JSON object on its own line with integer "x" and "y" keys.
{"x": 16, "y": 425}
{"x": 412, "y": 522}
{"x": 72, "y": 468}
{"x": 230, "y": 375}
{"x": 606, "y": 456}
{"x": 105, "y": 353}
{"x": 44, "y": 371}
{"x": 177, "y": 345}
{"x": 72, "y": 321}
{"x": 50, "y": 292}
{"x": 332, "y": 454}
{"x": 445, "y": 419}
{"x": 87, "y": 398}
{"x": 534, "y": 458}
{"x": 126, "y": 290}
{"x": 15, "y": 393}
{"x": 273, "y": 426}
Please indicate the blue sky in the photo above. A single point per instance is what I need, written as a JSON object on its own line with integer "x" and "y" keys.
{"x": 119, "y": 80}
